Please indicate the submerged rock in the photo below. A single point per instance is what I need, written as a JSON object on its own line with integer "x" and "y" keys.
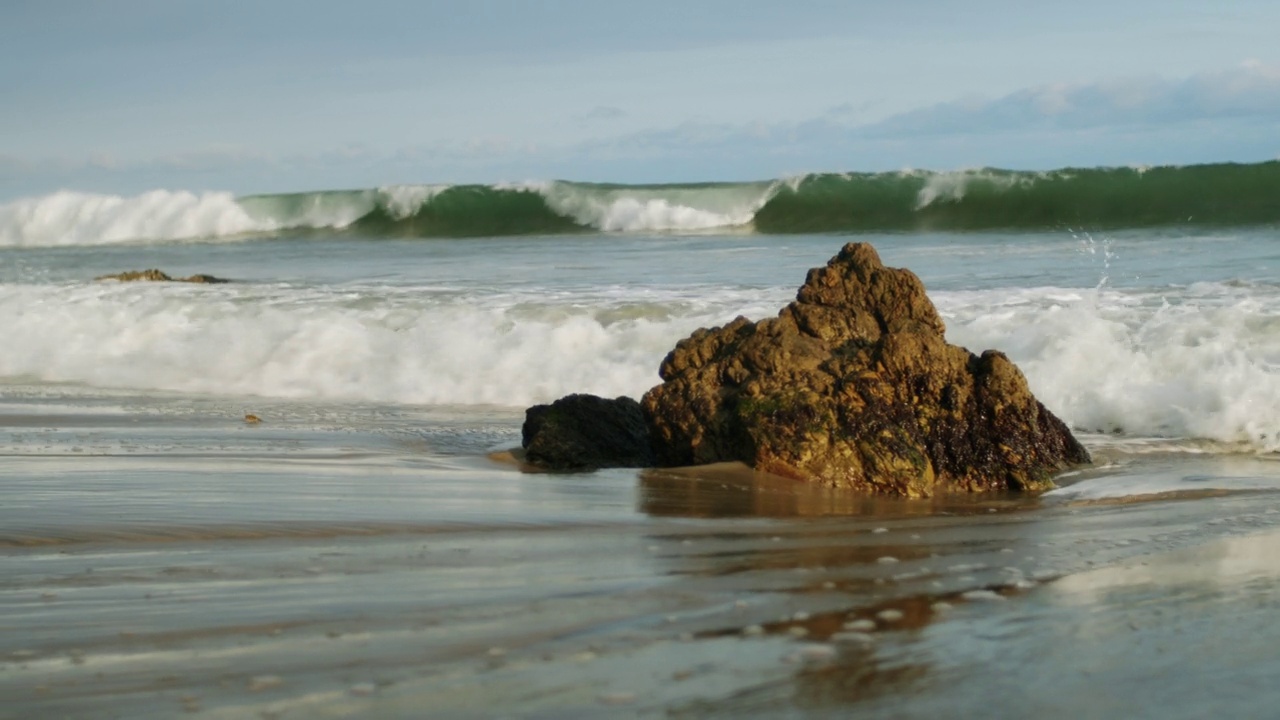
{"x": 586, "y": 432}
{"x": 853, "y": 385}
{"x": 154, "y": 275}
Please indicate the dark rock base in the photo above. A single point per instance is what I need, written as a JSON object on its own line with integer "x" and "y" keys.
{"x": 586, "y": 432}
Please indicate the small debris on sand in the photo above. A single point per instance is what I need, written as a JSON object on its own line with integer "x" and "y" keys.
{"x": 890, "y": 615}
{"x": 264, "y": 682}
{"x": 812, "y": 654}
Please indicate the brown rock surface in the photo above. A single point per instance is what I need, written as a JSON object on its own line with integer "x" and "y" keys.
{"x": 854, "y": 385}
{"x": 154, "y": 275}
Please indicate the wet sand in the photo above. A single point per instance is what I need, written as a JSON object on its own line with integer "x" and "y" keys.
{"x": 374, "y": 562}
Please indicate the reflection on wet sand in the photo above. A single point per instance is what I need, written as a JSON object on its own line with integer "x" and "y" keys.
{"x": 733, "y": 490}
{"x": 1222, "y": 564}
{"x": 823, "y": 680}
{"x": 372, "y": 586}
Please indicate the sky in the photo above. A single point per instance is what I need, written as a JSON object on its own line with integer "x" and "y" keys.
{"x": 123, "y": 96}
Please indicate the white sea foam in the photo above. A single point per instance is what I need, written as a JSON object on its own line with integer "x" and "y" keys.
{"x": 639, "y": 209}
{"x": 401, "y": 201}
{"x": 404, "y": 346}
{"x": 952, "y": 186}
{"x": 1203, "y": 362}
{"x": 1199, "y": 362}
{"x": 73, "y": 218}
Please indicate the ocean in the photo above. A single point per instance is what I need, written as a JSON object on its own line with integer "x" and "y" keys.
{"x": 368, "y": 550}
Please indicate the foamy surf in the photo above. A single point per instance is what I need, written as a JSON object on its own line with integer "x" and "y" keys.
{"x": 68, "y": 218}
{"x": 1194, "y": 363}
{"x": 73, "y": 218}
{"x": 387, "y": 345}
{"x": 1121, "y": 364}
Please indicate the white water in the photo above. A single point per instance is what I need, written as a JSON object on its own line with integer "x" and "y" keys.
{"x": 1196, "y": 362}
{"x": 349, "y": 344}
{"x": 74, "y": 218}
{"x": 1105, "y": 362}
{"x": 517, "y": 322}
{"x": 659, "y": 209}
{"x": 952, "y": 186}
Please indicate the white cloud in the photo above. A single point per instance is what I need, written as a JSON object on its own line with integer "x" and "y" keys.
{"x": 1249, "y": 90}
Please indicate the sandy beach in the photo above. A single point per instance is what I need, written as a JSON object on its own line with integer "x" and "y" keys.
{"x": 296, "y": 570}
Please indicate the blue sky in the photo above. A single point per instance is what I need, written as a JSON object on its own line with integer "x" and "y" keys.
{"x": 127, "y": 95}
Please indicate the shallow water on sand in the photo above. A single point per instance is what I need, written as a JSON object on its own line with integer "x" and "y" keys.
{"x": 164, "y": 557}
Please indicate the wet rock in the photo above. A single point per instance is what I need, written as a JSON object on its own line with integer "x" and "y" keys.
{"x": 586, "y": 432}
{"x": 154, "y": 275}
{"x": 853, "y": 385}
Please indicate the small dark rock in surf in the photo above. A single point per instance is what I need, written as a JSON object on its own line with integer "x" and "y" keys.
{"x": 586, "y": 432}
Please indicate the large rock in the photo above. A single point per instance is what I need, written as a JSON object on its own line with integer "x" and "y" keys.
{"x": 586, "y": 432}
{"x": 154, "y": 275}
{"x": 853, "y": 385}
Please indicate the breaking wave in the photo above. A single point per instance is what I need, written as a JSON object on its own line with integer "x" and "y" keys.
{"x": 986, "y": 199}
